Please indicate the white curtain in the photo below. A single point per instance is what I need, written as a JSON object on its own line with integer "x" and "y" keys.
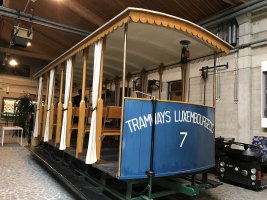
{"x": 35, "y": 131}
{"x": 65, "y": 105}
{"x": 50, "y": 91}
{"x": 91, "y": 151}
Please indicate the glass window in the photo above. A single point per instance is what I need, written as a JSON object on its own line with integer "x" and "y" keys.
{"x": 175, "y": 90}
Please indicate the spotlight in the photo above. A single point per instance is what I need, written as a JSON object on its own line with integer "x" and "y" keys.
{"x": 222, "y": 164}
{"x": 253, "y": 177}
{"x": 29, "y": 44}
{"x": 253, "y": 171}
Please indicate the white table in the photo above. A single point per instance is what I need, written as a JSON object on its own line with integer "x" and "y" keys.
{"x": 11, "y": 128}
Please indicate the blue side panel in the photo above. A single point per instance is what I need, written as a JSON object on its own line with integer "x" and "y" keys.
{"x": 136, "y": 142}
{"x": 184, "y": 138}
{"x": 186, "y": 144}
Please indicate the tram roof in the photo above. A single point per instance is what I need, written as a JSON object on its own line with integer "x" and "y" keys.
{"x": 153, "y": 38}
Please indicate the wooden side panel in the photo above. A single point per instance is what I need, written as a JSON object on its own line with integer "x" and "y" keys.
{"x": 59, "y": 122}
{"x": 40, "y": 117}
{"x": 44, "y": 119}
{"x": 52, "y": 109}
{"x": 79, "y": 146}
{"x": 69, "y": 124}
{"x": 99, "y": 117}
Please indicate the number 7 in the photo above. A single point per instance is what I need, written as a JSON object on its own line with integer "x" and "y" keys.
{"x": 185, "y": 134}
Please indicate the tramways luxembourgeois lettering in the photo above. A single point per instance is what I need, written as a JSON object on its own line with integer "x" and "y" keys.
{"x": 170, "y": 116}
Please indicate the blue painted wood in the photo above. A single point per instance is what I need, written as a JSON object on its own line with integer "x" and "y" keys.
{"x": 184, "y": 138}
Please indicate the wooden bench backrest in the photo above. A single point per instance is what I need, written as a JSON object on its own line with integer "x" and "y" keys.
{"x": 113, "y": 112}
{"x": 75, "y": 112}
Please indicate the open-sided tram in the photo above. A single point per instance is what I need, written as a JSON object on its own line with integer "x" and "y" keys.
{"x": 128, "y": 136}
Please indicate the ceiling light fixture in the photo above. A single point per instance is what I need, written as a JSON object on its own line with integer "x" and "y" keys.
{"x": 13, "y": 62}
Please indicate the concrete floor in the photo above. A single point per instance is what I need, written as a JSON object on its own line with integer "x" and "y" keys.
{"x": 21, "y": 177}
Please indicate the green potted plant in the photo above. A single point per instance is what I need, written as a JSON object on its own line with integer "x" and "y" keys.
{"x": 23, "y": 109}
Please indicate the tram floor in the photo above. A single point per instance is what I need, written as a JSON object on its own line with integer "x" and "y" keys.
{"x": 22, "y": 177}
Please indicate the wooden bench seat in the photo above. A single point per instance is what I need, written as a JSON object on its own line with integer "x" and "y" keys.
{"x": 112, "y": 113}
{"x": 75, "y": 115}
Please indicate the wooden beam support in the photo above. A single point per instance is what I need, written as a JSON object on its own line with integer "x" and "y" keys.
{"x": 26, "y": 54}
{"x": 85, "y": 13}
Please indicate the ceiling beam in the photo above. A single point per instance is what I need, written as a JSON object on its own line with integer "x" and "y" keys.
{"x": 40, "y": 21}
{"x": 230, "y": 2}
{"x": 26, "y": 54}
{"x": 84, "y": 12}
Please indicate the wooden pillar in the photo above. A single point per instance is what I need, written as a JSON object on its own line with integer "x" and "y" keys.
{"x": 59, "y": 107}
{"x": 69, "y": 118}
{"x": 79, "y": 146}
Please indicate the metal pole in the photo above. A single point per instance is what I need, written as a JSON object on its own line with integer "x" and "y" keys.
{"x": 204, "y": 92}
{"x": 123, "y": 86}
{"x": 214, "y": 81}
{"x": 124, "y": 60}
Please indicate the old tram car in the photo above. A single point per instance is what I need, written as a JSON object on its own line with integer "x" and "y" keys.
{"x": 125, "y": 138}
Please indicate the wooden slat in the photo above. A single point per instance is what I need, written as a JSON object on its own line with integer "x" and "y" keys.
{"x": 113, "y": 112}
{"x": 40, "y": 119}
{"x": 99, "y": 116}
{"x": 26, "y": 54}
{"x": 79, "y": 146}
